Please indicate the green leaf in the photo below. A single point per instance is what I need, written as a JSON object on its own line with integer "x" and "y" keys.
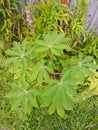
{"x": 47, "y": 96}
{"x": 82, "y": 67}
{"x": 42, "y": 49}
{"x": 20, "y": 53}
{"x": 41, "y": 43}
{"x": 81, "y": 75}
{"x": 60, "y": 111}
{"x": 52, "y": 109}
{"x": 63, "y": 46}
{"x": 9, "y": 61}
{"x": 88, "y": 72}
{"x": 45, "y": 75}
{"x": 87, "y": 59}
{"x": 67, "y": 101}
{"x": 25, "y": 105}
{"x": 50, "y": 70}
{"x": 56, "y": 52}
{"x": 16, "y": 65}
{"x": 17, "y": 103}
{"x": 66, "y": 75}
{"x": 35, "y": 103}
{"x": 24, "y": 96}
{"x": 31, "y": 101}
{"x": 53, "y": 43}
{"x": 17, "y": 46}
{"x": 40, "y": 78}
{"x": 12, "y": 95}
{"x": 36, "y": 70}
{"x": 80, "y": 56}
{"x": 90, "y": 65}
{"x": 24, "y": 45}
{"x": 11, "y": 53}
{"x": 71, "y": 90}
{"x": 68, "y": 48}
{"x": 60, "y": 46}
{"x": 59, "y": 97}
{"x": 25, "y": 65}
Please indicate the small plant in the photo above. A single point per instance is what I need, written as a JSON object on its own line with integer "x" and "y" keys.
{"x": 38, "y": 80}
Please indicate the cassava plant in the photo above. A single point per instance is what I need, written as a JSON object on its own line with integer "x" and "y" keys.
{"x": 48, "y": 71}
{"x": 46, "y": 76}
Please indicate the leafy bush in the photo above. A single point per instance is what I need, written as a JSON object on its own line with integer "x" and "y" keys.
{"x": 50, "y": 66}
{"x": 36, "y": 83}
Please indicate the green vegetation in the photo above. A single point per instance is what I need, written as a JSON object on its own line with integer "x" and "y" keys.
{"x": 48, "y": 77}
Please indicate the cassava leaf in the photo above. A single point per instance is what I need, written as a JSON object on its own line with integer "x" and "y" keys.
{"x": 53, "y": 43}
{"x": 17, "y": 103}
{"x": 83, "y": 66}
{"x": 24, "y": 97}
{"x": 60, "y": 96}
{"x": 19, "y": 54}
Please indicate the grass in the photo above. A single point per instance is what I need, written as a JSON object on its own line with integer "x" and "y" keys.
{"x": 83, "y": 117}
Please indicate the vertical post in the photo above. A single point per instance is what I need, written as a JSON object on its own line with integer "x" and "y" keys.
{"x": 28, "y": 16}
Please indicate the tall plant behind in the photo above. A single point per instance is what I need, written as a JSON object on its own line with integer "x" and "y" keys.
{"x": 78, "y": 22}
{"x": 13, "y": 23}
{"x": 50, "y": 15}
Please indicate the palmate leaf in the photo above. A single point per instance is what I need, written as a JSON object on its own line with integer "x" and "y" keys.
{"x": 18, "y": 55}
{"x": 23, "y": 96}
{"x": 57, "y": 98}
{"x": 83, "y": 67}
{"x": 53, "y": 43}
{"x": 60, "y": 95}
